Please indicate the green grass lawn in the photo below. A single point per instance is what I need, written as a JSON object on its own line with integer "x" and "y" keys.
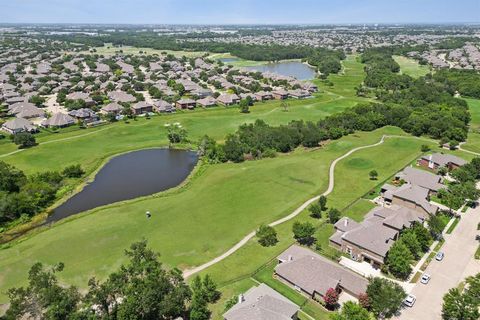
{"x": 411, "y": 67}
{"x": 108, "y": 50}
{"x": 473, "y": 140}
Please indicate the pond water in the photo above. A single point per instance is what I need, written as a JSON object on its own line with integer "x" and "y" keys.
{"x": 296, "y": 69}
{"x": 129, "y": 176}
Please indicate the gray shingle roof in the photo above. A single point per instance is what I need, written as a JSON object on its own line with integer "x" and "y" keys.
{"x": 442, "y": 160}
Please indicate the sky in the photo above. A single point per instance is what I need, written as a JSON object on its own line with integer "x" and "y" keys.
{"x": 239, "y": 11}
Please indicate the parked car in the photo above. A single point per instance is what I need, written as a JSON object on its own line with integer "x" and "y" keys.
{"x": 439, "y": 256}
{"x": 477, "y": 237}
{"x": 410, "y": 300}
{"x": 425, "y": 278}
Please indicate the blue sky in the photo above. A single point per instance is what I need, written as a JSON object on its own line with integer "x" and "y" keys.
{"x": 239, "y": 11}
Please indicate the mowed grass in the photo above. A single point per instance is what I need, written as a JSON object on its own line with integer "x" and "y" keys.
{"x": 344, "y": 82}
{"x": 473, "y": 140}
{"x": 89, "y": 147}
{"x": 411, "y": 67}
{"x": 219, "y": 206}
{"x": 108, "y": 50}
{"x": 351, "y": 183}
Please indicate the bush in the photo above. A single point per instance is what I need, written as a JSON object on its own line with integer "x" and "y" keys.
{"x": 24, "y": 140}
{"x": 73, "y": 171}
{"x": 303, "y": 233}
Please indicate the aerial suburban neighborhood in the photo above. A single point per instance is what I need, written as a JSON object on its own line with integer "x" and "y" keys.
{"x": 248, "y": 160}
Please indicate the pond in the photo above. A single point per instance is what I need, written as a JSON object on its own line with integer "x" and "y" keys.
{"x": 129, "y": 176}
{"x": 296, "y": 69}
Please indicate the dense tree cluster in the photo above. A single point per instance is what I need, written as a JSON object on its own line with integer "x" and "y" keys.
{"x": 385, "y": 297}
{"x": 258, "y": 139}
{"x": 413, "y": 242}
{"x": 140, "y": 289}
{"x": 464, "y": 186}
{"x": 22, "y": 196}
{"x": 466, "y": 82}
{"x": 463, "y": 304}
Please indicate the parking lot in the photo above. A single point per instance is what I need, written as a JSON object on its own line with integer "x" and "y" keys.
{"x": 458, "y": 263}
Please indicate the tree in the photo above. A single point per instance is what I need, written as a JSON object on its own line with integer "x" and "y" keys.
{"x": 363, "y": 300}
{"x": 385, "y": 297}
{"x": 11, "y": 179}
{"x": 425, "y": 148}
{"x": 399, "y": 259}
{"x": 333, "y": 215}
{"x": 461, "y": 306}
{"x": 303, "y": 232}
{"x": 24, "y": 139}
{"x": 423, "y": 236}
{"x": 73, "y": 171}
{"x": 409, "y": 238}
{"x": 267, "y": 236}
{"x": 315, "y": 210}
{"x": 176, "y": 133}
{"x": 322, "y": 201}
{"x": 147, "y": 290}
{"x": 331, "y": 298}
{"x": 244, "y": 106}
{"x": 435, "y": 225}
{"x": 373, "y": 175}
{"x": 210, "y": 289}
{"x": 284, "y": 106}
{"x": 352, "y": 311}
{"x": 43, "y": 298}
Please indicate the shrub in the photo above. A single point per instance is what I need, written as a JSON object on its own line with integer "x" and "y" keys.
{"x": 73, "y": 171}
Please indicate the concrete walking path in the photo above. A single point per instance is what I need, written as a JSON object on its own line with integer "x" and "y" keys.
{"x": 331, "y": 183}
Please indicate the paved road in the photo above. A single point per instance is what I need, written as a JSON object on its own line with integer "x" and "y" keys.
{"x": 458, "y": 264}
{"x": 331, "y": 184}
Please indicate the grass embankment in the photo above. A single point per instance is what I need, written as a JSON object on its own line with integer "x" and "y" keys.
{"x": 411, "y": 67}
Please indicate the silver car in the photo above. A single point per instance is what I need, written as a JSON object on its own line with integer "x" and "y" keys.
{"x": 425, "y": 278}
{"x": 410, "y": 300}
{"x": 439, "y": 256}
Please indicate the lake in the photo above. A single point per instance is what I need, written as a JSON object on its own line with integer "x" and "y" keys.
{"x": 296, "y": 69}
{"x": 129, "y": 176}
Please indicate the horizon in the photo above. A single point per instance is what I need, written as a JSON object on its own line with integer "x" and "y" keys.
{"x": 240, "y": 12}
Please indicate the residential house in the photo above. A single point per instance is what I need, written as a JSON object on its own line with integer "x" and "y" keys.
{"x": 84, "y": 114}
{"x": 163, "y": 106}
{"x": 371, "y": 239}
{"x": 312, "y": 274}
{"x": 121, "y": 96}
{"x": 228, "y": 99}
{"x": 142, "y": 107}
{"x": 408, "y": 195}
{"x": 262, "y": 303}
{"x": 186, "y": 104}
{"x": 18, "y": 125}
{"x": 81, "y": 96}
{"x": 299, "y": 94}
{"x": 25, "y": 110}
{"x": 58, "y": 120}
{"x": 207, "y": 102}
{"x": 438, "y": 160}
{"x": 263, "y": 95}
{"x": 280, "y": 94}
{"x": 421, "y": 178}
{"x": 112, "y": 107}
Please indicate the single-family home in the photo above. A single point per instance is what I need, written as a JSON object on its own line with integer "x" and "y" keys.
{"x": 312, "y": 274}
{"x": 18, "y": 125}
{"x": 163, "y": 106}
{"x": 58, "y": 120}
{"x": 371, "y": 239}
{"x": 408, "y": 195}
{"x": 421, "y": 178}
{"x": 207, "y": 102}
{"x": 263, "y": 95}
{"x": 112, "y": 107}
{"x": 121, "y": 96}
{"x": 228, "y": 99}
{"x": 142, "y": 107}
{"x": 186, "y": 104}
{"x": 84, "y": 114}
{"x": 262, "y": 303}
{"x": 280, "y": 94}
{"x": 438, "y": 160}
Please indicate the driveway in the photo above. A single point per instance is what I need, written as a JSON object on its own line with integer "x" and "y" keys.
{"x": 458, "y": 264}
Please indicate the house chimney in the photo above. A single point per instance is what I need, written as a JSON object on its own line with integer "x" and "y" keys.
{"x": 345, "y": 222}
{"x": 241, "y": 298}
{"x": 290, "y": 258}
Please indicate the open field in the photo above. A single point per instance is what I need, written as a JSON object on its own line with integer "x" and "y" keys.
{"x": 239, "y": 62}
{"x": 473, "y": 140}
{"x": 109, "y": 50}
{"x": 411, "y": 67}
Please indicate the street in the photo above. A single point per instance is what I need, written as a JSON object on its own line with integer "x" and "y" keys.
{"x": 458, "y": 263}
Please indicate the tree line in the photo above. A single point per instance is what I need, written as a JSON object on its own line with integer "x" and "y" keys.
{"x": 139, "y": 289}
{"x": 23, "y": 196}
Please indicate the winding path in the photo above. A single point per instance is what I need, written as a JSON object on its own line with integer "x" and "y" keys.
{"x": 465, "y": 150}
{"x": 331, "y": 184}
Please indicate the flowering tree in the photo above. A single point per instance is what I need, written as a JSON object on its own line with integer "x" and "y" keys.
{"x": 331, "y": 298}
